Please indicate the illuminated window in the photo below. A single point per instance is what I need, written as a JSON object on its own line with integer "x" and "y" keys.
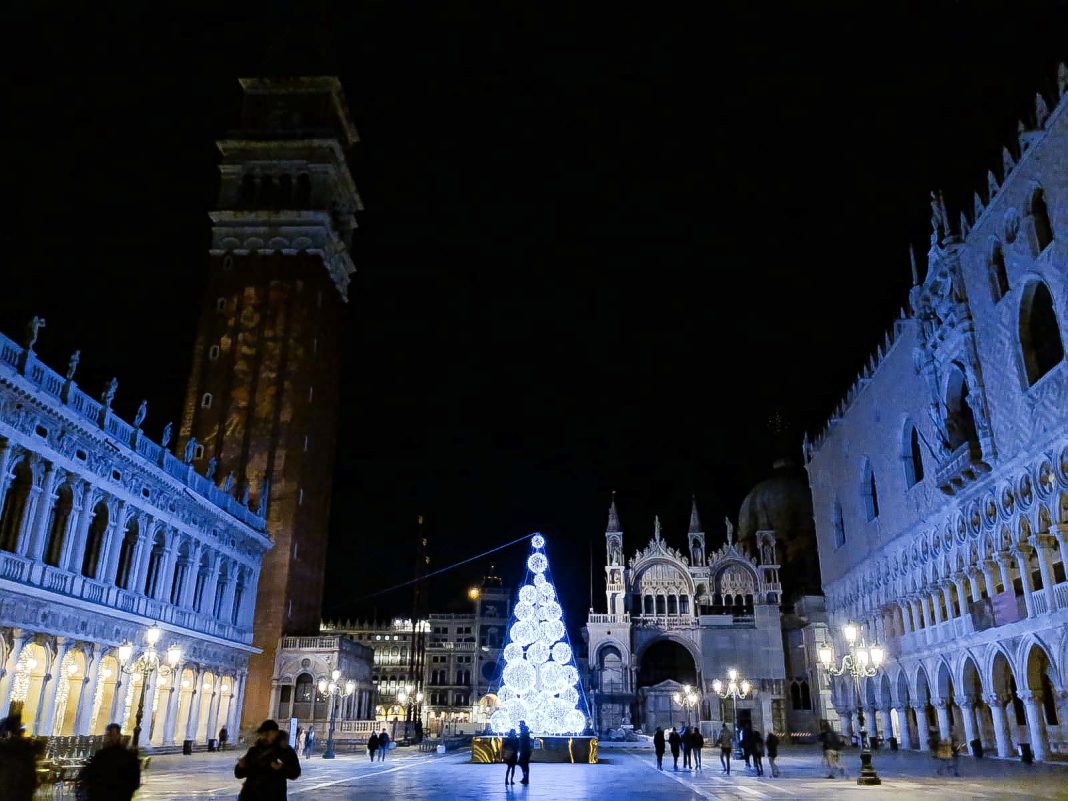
{"x": 205, "y": 400}
{"x": 213, "y": 352}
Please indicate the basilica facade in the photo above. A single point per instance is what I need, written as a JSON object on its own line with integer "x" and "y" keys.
{"x": 685, "y": 617}
{"x": 105, "y": 535}
{"x": 940, "y": 484}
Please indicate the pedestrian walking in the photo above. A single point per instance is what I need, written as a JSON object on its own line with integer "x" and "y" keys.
{"x": 687, "y": 745}
{"x": 771, "y": 742}
{"x": 831, "y": 743}
{"x": 372, "y": 745}
{"x": 675, "y": 742}
{"x": 18, "y": 761}
{"x": 658, "y": 747}
{"x": 697, "y": 743}
{"x": 113, "y": 773}
{"x": 309, "y": 742}
{"x": 525, "y": 750}
{"x": 747, "y": 745}
{"x": 224, "y": 738}
{"x": 725, "y": 741}
{"x": 758, "y": 753}
{"x": 267, "y": 766}
{"x": 383, "y": 745}
{"x": 510, "y": 755}
{"x": 299, "y": 744}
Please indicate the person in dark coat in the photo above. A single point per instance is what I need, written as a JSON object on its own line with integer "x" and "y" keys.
{"x": 224, "y": 738}
{"x": 383, "y": 745}
{"x": 309, "y": 742}
{"x": 658, "y": 747}
{"x": 687, "y": 745}
{"x": 772, "y": 745}
{"x": 697, "y": 742}
{"x": 18, "y": 761}
{"x": 372, "y": 745}
{"x": 757, "y": 752}
{"x": 510, "y": 755}
{"x": 675, "y": 742}
{"x": 114, "y": 772}
{"x": 269, "y": 763}
{"x": 726, "y": 742}
{"x": 526, "y": 748}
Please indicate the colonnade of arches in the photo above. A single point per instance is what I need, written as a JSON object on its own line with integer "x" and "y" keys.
{"x": 81, "y": 532}
{"x": 997, "y": 698}
{"x": 63, "y": 688}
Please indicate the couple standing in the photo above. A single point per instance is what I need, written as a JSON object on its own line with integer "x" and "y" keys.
{"x": 516, "y": 749}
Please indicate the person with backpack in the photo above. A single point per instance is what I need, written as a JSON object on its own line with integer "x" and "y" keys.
{"x": 726, "y": 742}
{"x": 772, "y": 744}
{"x": 659, "y": 747}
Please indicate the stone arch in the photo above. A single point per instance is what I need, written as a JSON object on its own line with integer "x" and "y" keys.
{"x": 911, "y": 453}
{"x": 155, "y": 563}
{"x": 14, "y": 503}
{"x": 999, "y": 277}
{"x": 869, "y": 491}
{"x": 960, "y": 422}
{"x": 71, "y": 676}
{"x": 1041, "y": 678}
{"x": 1038, "y": 213}
{"x": 1041, "y": 346}
{"x": 611, "y": 662}
{"x": 664, "y": 657}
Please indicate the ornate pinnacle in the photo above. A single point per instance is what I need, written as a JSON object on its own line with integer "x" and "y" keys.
{"x": 695, "y": 521}
{"x": 656, "y": 527}
{"x": 915, "y": 270}
{"x": 613, "y": 516}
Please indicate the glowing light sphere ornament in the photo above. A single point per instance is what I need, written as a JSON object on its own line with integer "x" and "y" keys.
{"x": 540, "y": 681}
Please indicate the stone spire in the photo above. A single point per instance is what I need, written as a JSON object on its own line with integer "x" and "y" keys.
{"x": 613, "y": 516}
{"x": 695, "y": 521}
{"x": 656, "y": 527}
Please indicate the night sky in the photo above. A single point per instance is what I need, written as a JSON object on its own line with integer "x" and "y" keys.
{"x": 602, "y": 248}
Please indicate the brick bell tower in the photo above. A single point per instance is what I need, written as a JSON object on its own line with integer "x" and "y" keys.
{"x": 262, "y": 401}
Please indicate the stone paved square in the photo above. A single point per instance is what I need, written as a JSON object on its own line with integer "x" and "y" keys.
{"x": 623, "y": 775}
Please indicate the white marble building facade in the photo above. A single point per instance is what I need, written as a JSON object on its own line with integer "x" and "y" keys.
{"x": 940, "y": 485}
{"x": 104, "y": 533}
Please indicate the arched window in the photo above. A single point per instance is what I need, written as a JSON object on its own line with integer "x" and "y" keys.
{"x": 94, "y": 542}
{"x": 912, "y": 456}
{"x": 126, "y": 554}
{"x": 57, "y": 526}
{"x": 838, "y": 523}
{"x": 795, "y": 695}
{"x": 15, "y": 499}
{"x": 960, "y": 422}
{"x": 806, "y": 697}
{"x": 1040, "y": 215}
{"x": 869, "y": 492}
{"x": 304, "y": 689}
{"x": 239, "y": 592}
{"x": 213, "y": 353}
{"x": 181, "y": 571}
{"x": 205, "y": 400}
{"x": 1040, "y": 335}
{"x": 999, "y": 278}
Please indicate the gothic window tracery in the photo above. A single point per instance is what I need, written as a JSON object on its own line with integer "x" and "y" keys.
{"x": 1040, "y": 336}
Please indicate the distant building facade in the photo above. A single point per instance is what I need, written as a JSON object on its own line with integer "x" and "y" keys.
{"x": 104, "y": 533}
{"x": 262, "y": 403}
{"x": 940, "y": 485}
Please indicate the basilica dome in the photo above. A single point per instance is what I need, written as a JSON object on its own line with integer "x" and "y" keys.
{"x": 783, "y": 503}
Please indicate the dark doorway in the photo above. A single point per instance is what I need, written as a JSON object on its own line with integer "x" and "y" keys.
{"x": 666, "y": 660}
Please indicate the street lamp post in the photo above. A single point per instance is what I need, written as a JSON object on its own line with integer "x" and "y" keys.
{"x": 688, "y": 699}
{"x": 334, "y": 690}
{"x": 146, "y": 664}
{"x": 734, "y": 689}
{"x": 859, "y": 660}
{"x": 410, "y": 701}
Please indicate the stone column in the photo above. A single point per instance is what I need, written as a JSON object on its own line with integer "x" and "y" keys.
{"x": 1003, "y": 559}
{"x": 228, "y": 597}
{"x": 945, "y": 727}
{"x": 89, "y": 684}
{"x": 1044, "y": 544}
{"x": 170, "y": 557}
{"x": 1058, "y": 530}
{"x": 186, "y": 601}
{"x": 213, "y": 708}
{"x": 921, "y": 727}
{"x": 885, "y": 723}
{"x": 987, "y": 567}
{"x": 925, "y": 606}
{"x": 148, "y": 716}
{"x": 116, "y": 533}
{"x": 962, "y": 593}
{"x": 1023, "y": 562}
{"x": 903, "y": 722}
{"x": 19, "y": 639}
{"x": 39, "y": 535}
{"x": 145, "y": 542}
{"x": 77, "y": 550}
{"x": 276, "y": 698}
{"x": 237, "y": 698}
{"x": 194, "y": 707}
{"x": 207, "y": 597}
{"x": 174, "y": 694}
{"x": 1001, "y": 725}
{"x": 1036, "y": 723}
{"x": 79, "y": 490}
{"x": 967, "y": 711}
{"x": 46, "y": 710}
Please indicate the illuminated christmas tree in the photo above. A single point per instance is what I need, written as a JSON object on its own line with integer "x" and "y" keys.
{"x": 540, "y": 681}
